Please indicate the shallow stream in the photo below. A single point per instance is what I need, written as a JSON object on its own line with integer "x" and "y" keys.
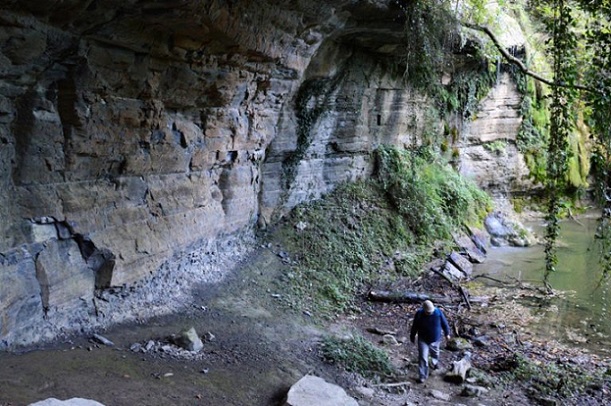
{"x": 580, "y": 313}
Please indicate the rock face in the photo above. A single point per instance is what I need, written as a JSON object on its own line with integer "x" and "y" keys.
{"x": 145, "y": 136}
{"x": 489, "y": 153}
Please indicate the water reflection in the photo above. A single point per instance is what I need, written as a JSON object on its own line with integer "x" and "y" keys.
{"x": 581, "y": 315}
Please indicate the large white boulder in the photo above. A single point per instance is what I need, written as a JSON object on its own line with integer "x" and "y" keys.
{"x": 68, "y": 402}
{"x": 312, "y": 390}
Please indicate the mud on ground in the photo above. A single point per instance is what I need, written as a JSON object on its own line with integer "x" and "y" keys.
{"x": 256, "y": 349}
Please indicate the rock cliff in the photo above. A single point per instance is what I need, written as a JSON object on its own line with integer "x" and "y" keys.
{"x": 138, "y": 136}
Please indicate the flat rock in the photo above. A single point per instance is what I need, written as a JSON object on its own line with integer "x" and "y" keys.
{"x": 461, "y": 263}
{"x": 312, "y": 390}
{"x": 452, "y": 272}
{"x": 473, "y": 391}
{"x": 437, "y": 394}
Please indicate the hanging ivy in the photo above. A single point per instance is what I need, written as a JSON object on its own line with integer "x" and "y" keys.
{"x": 563, "y": 47}
{"x": 598, "y": 44}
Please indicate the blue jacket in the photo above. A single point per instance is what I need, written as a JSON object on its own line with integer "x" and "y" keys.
{"x": 428, "y": 327}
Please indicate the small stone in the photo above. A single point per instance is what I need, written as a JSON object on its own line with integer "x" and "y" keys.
{"x": 480, "y": 341}
{"x": 440, "y": 395}
{"x": 189, "y": 340}
{"x": 135, "y": 347}
{"x": 459, "y": 344}
{"x": 389, "y": 339}
{"x": 473, "y": 391}
{"x": 102, "y": 340}
{"x": 367, "y": 392}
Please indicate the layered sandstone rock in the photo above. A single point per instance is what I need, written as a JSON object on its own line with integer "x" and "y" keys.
{"x": 489, "y": 152}
{"x": 140, "y": 137}
{"x": 134, "y": 133}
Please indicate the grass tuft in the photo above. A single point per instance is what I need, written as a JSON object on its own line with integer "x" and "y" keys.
{"x": 357, "y": 355}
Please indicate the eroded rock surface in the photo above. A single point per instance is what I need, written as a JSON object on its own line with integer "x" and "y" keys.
{"x": 142, "y": 141}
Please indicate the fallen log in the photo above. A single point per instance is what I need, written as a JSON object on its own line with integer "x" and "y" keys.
{"x": 405, "y": 297}
{"x": 415, "y": 297}
{"x": 458, "y": 373}
{"x": 381, "y": 332}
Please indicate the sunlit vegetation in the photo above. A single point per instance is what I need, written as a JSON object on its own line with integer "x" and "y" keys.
{"x": 345, "y": 241}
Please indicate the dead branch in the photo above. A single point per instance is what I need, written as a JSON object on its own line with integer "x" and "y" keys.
{"x": 390, "y": 385}
{"x": 515, "y": 61}
{"x": 375, "y": 330}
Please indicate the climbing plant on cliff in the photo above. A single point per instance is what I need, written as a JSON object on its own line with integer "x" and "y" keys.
{"x": 430, "y": 30}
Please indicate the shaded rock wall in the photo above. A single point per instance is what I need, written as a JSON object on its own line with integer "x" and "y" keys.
{"x": 142, "y": 137}
{"x": 134, "y": 132}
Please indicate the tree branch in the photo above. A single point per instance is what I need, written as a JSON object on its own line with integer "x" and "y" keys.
{"x": 515, "y": 61}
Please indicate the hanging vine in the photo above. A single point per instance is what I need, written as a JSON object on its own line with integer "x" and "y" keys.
{"x": 563, "y": 46}
{"x": 598, "y": 41}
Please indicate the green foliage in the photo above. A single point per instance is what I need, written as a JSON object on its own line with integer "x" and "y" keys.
{"x": 346, "y": 240}
{"x": 556, "y": 379}
{"x": 430, "y": 29}
{"x": 533, "y": 134}
{"x": 432, "y": 198}
{"x": 598, "y": 40}
{"x": 311, "y": 103}
{"x": 357, "y": 355}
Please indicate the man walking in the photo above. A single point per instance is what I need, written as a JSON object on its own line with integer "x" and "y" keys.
{"x": 428, "y": 323}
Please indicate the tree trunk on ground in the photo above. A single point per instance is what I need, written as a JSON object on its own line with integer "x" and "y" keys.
{"x": 459, "y": 371}
{"x": 405, "y": 297}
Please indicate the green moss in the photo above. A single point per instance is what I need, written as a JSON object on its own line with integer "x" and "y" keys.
{"x": 310, "y": 104}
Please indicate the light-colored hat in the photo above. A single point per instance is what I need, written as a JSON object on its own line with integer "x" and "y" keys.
{"x": 428, "y": 307}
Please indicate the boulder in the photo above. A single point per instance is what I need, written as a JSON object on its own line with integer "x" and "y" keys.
{"x": 462, "y": 263}
{"x": 459, "y": 344}
{"x": 68, "y": 402}
{"x": 468, "y": 246}
{"x": 312, "y": 390}
{"x": 452, "y": 272}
